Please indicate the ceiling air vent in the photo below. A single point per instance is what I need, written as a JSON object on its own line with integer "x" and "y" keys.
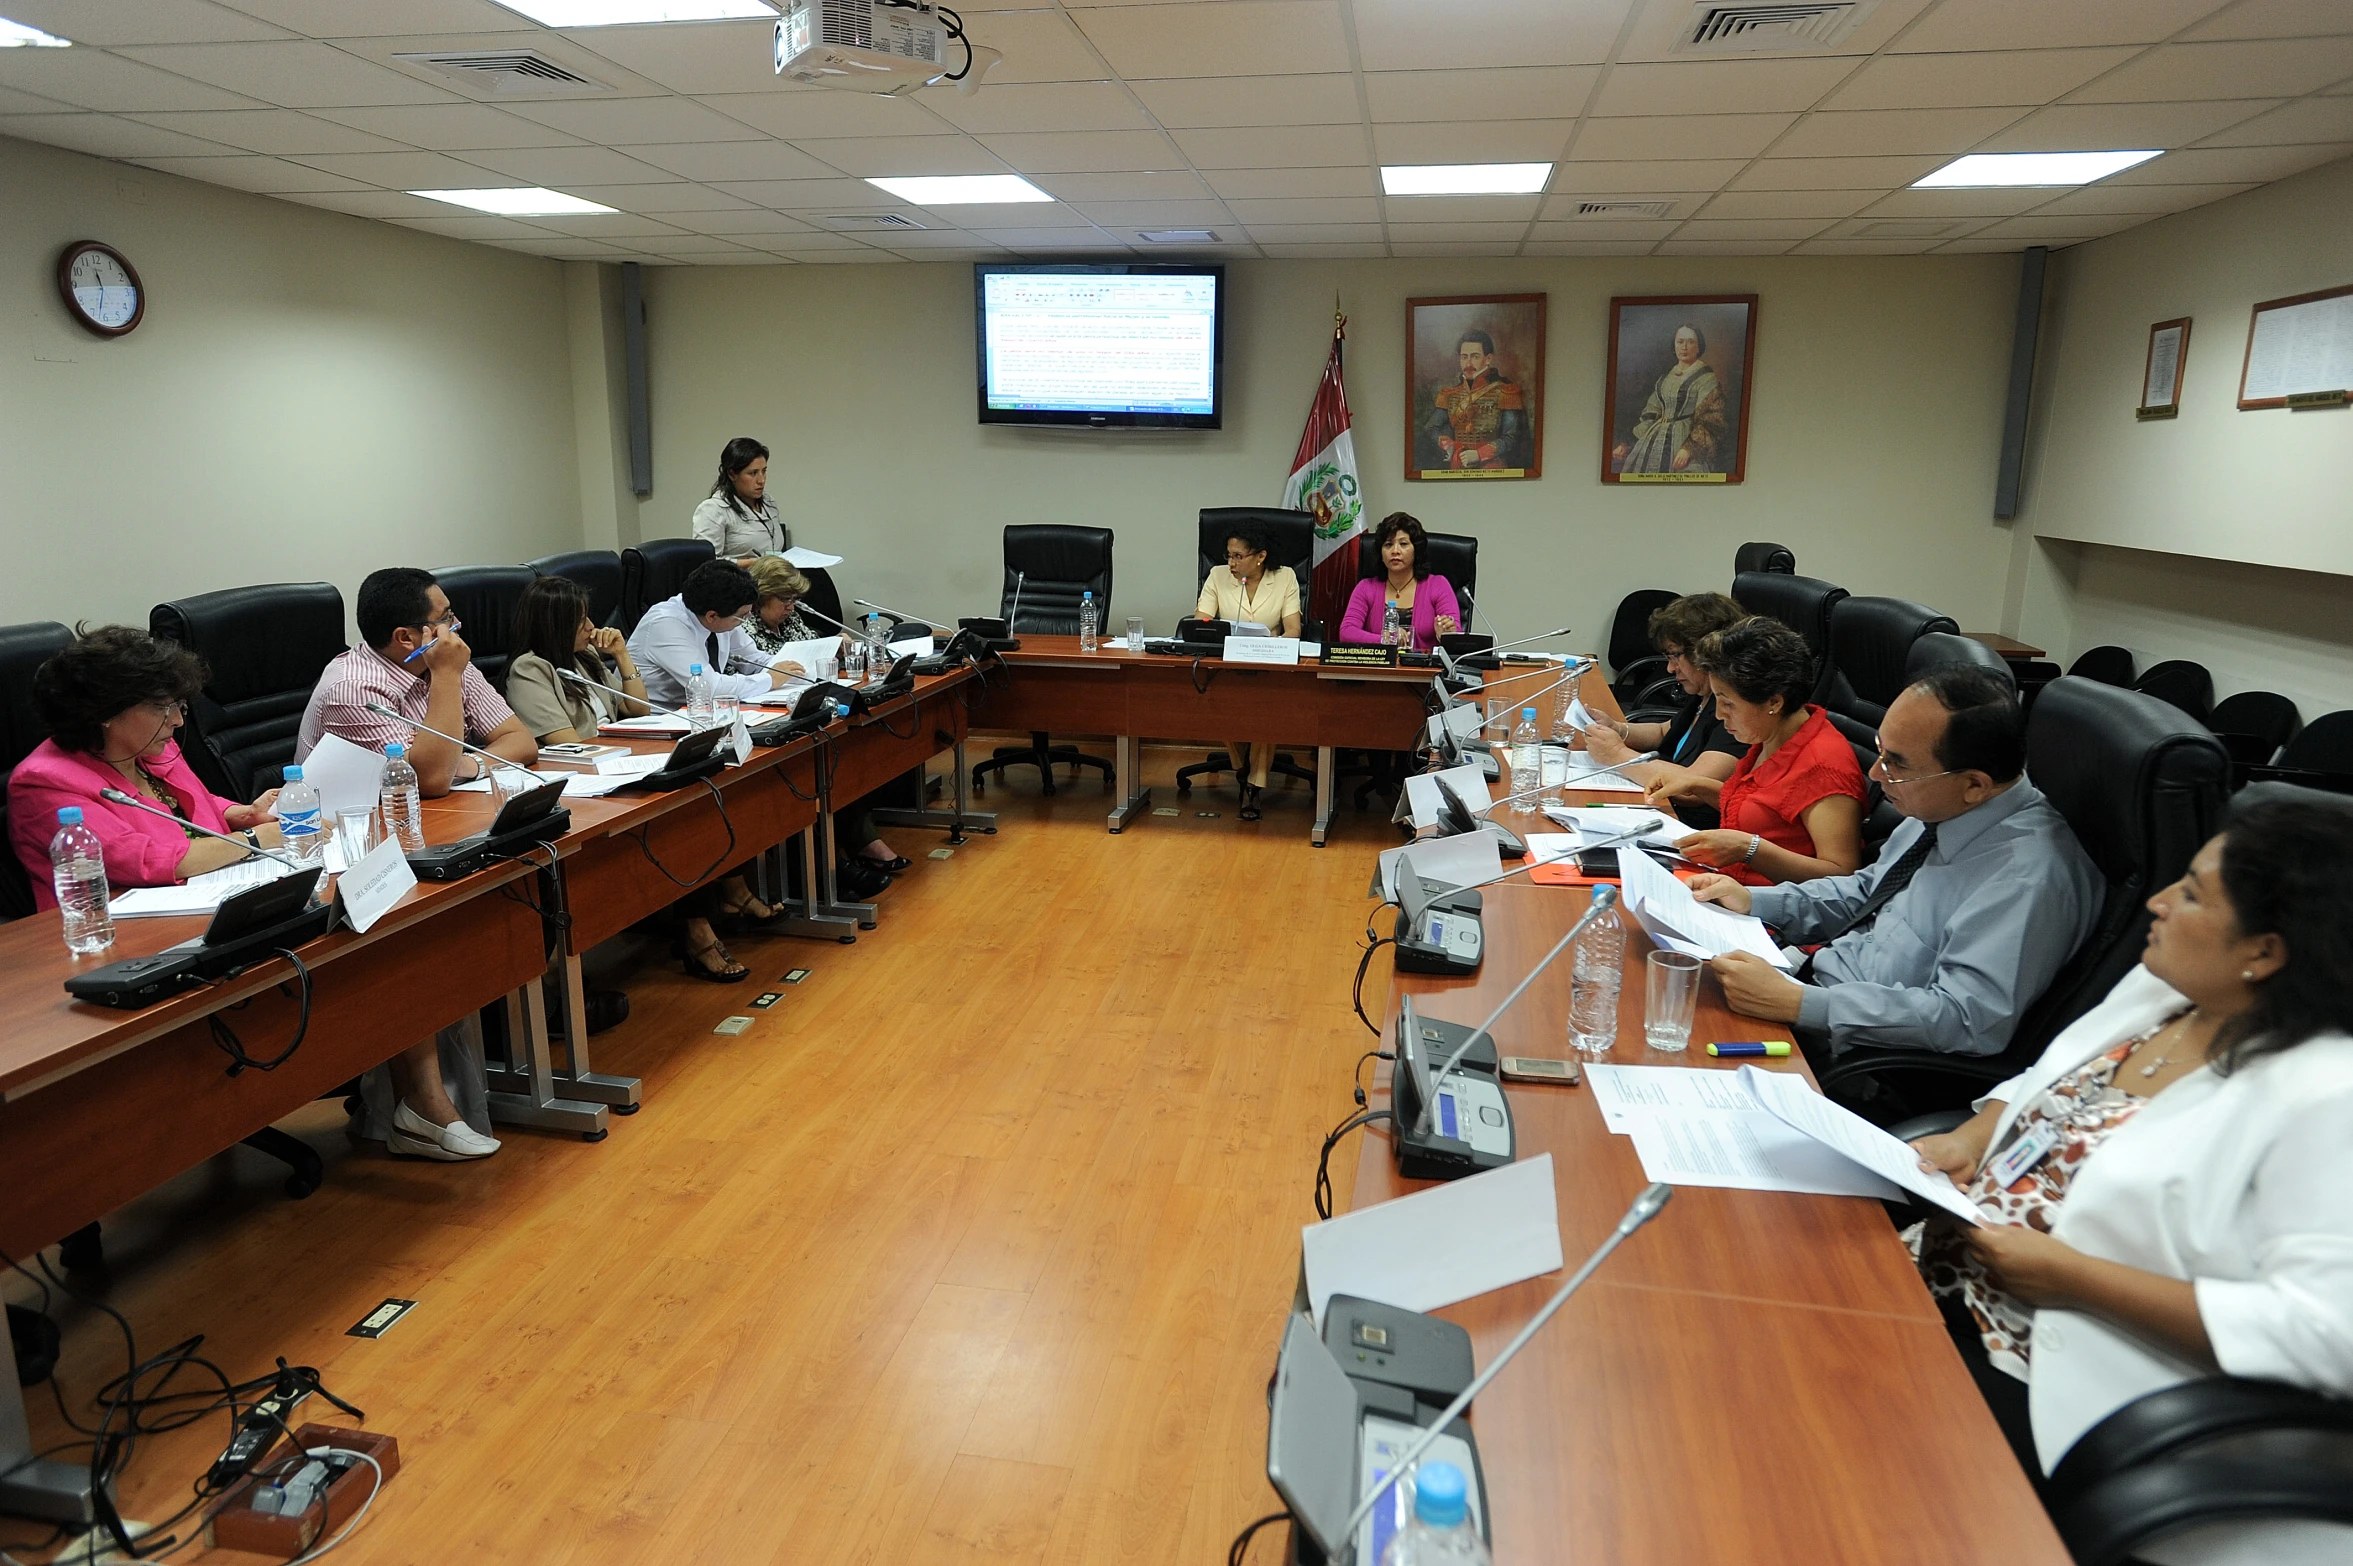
{"x": 507, "y": 72}
{"x": 1624, "y": 209}
{"x": 1179, "y": 236}
{"x": 1904, "y": 228}
{"x": 1738, "y": 27}
{"x": 870, "y": 220}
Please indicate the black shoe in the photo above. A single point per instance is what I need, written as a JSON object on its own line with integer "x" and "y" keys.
{"x": 886, "y": 866}
{"x": 606, "y": 1010}
{"x": 860, "y": 881}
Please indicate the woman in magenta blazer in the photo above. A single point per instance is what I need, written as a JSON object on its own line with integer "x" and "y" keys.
{"x": 113, "y": 700}
{"x": 1404, "y": 580}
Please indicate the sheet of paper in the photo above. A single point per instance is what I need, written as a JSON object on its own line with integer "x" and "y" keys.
{"x": 1545, "y": 847}
{"x": 819, "y": 656}
{"x": 1746, "y": 1152}
{"x": 1441, "y": 1245}
{"x": 345, "y": 775}
{"x": 1454, "y": 861}
{"x": 653, "y": 723}
{"x": 1674, "y": 918}
{"x": 1585, "y": 777}
{"x": 1625, "y": 1094}
{"x": 1261, "y": 649}
{"x": 812, "y": 559}
{"x": 915, "y": 646}
{"x": 1612, "y": 823}
{"x": 1248, "y": 628}
{"x": 1577, "y": 713}
{"x": 1849, "y": 1134}
{"x": 370, "y": 888}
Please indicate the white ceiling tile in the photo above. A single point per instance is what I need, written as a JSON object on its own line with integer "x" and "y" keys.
{"x": 2072, "y": 127}
{"x": 871, "y": 157}
{"x": 2062, "y": 230}
{"x": 612, "y": 122}
{"x": 450, "y": 127}
{"x": 1872, "y": 174}
{"x": 1039, "y": 46}
{"x": 89, "y": 79}
{"x": 1644, "y": 177}
{"x": 1218, "y": 37}
{"x": 1215, "y": 102}
{"x": 409, "y": 170}
{"x": 614, "y": 225}
{"x": 1421, "y": 233}
{"x": 995, "y": 214}
{"x": 14, "y": 102}
{"x": 109, "y": 22}
{"x": 1328, "y": 252}
{"x": 2229, "y": 165}
{"x": 1864, "y": 247}
{"x": 1752, "y": 228}
{"x": 1315, "y": 233}
{"x": 2040, "y": 24}
{"x": 1462, "y": 209}
{"x": 905, "y": 240}
{"x": 1049, "y": 238}
{"x": 2263, "y": 68}
{"x": 1977, "y": 247}
{"x": 107, "y": 136}
{"x": 737, "y": 224}
{"x": 376, "y": 19}
{"x": 690, "y": 57}
{"x": 1759, "y": 86}
{"x": 271, "y": 131}
{"x": 1411, "y": 35}
{"x": 1527, "y": 92}
{"x": 371, "y": 203}
{"x": 795, "y": 112}
{"x": 802, "y": 195}
{"x": 1963, "y": 81}
{"x": 1504, "y": 141}
{"x": 556, "y": 249}
{"x": 1786, "y": 203}
{"x": 266, "y": 176}
{"x": 809, "y": 243}
{"x": 1643, "y": 232}
{"x": 1889, "y": 131}
{"x": 1301, "y": 146}
{"x": 1688, "y": 136}
{"x": 1088, "y": 152}
{"x": 1988, "y": 201}
{"x": 716, "y": 160}
{"x": 863, "y": 256}
{"x": 1043, "y": 106}
{"x": 296, "y": 75}
{"x": 1457, "y": 247}
{"x": 738, "y": 258}
{"x": 476, "y": 227}
{"x": 2274, "y": 19}
{"x": 2153, "y": 199}
{"x": 2308, "y": 119}
{"x": 699, "y": 245}
{"x": 560, "y": 168}
{"x": 1308, "y": 209}
{"x": 668, "y": 199}
{"x": 1132, "y": 185}
{"x": 1266, "y": 183}
{"x": 1156, "y": 214}
{"x": 1587, "y": 247}
{"x": 1725, "y": 247}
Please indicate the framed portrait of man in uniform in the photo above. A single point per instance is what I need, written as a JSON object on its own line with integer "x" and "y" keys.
{"x": 1677, "y": 399}
{"x": 1474, "y": 387}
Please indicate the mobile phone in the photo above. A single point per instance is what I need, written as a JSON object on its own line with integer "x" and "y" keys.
{"x": 1534, "y": 1068}
{"x": 571, "y": 749}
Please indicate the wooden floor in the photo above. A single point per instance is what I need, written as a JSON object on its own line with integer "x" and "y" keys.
{"x": 975, "y": 1248}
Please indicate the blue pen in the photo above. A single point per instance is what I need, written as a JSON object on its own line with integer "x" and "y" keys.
{"x": 422, "y": 647}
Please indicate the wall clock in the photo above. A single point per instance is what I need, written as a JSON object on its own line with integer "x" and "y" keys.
{"x": 100, "y": 288}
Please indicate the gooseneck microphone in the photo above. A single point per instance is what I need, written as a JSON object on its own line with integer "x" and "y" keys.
{"x": 1645, "y": 1208}
{"x": 899, "y": 616}
{"x": 115, "y": 796}
{"x": 577, "y": 678}
{"x": 382, "y": 711}
{"x": 1605, "y": 897}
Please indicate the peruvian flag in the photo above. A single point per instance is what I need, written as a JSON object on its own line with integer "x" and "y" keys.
{"x": 1323, "y": 481}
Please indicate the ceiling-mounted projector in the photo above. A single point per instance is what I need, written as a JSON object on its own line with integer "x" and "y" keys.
{"x": 878, "y": 46}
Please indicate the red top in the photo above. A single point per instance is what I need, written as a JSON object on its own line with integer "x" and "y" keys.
{"x": 1814, "y": 764}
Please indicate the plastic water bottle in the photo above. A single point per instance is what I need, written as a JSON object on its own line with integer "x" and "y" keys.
{"x": 298, "y": 819}
{"x": 1392, "y": 627}
{"x": 1600, "y": 960}
{"x": 878, "y": 647}
{"x": 397, "y": 800}
{"x": 1564, "y": 729}
{"x": 1527, "y": 752}
{"x": 77, "y": 868}
{"x": 699, "y": 710}
{"x": 1440, "y": 1532}
{"x": 1089, "y": 622}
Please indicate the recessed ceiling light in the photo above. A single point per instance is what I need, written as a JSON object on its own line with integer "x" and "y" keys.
{"x": 2032, "y": 168}
{"x": 523, "y": 201}
{"x": 961, "y": 190}
{"x": 625, "y": 13}
{"x": 15, "y": 35}
{"x": 1464, "y": 179}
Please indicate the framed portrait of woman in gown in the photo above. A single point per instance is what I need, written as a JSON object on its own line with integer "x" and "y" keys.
{"x": 1680, "y": 373}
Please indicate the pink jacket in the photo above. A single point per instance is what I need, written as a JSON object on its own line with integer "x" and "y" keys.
{"x": 1367, "y": 606}
{"x": 140, "y": 850}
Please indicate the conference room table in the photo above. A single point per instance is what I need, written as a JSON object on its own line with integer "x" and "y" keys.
{"x": 1049, "y": 684}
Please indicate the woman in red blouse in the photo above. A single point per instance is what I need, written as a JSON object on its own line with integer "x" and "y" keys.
{"x": 1793, "y": 807}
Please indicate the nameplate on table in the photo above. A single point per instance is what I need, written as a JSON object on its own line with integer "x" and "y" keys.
{"x": 370, "y": 888}
{"x": 1261, "y": 649}
{"x": 1359, "y": 655}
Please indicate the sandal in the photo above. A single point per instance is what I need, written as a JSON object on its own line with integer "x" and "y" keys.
{"x": 742, "y": 921}
{"x": 891, "y": 866}
{"x": 1250, "y": 795}
{"x": 733, "y": 973}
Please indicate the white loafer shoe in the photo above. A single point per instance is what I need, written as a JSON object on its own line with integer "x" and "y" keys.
{"x": 413, "y": 1136}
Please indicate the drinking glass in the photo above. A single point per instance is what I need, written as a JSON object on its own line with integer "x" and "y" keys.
{"x": 1671, "y": 995}
{"x": 355, "y": 833}
{"x": 1135, "y": 633}
{"x": 725, "y": 710}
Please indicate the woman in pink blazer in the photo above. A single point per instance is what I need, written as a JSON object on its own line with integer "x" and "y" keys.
{"x": 1427, "y": 601}
{"x": 113, "y": 701}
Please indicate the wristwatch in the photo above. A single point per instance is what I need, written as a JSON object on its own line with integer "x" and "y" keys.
{"x": 252, "y": 838}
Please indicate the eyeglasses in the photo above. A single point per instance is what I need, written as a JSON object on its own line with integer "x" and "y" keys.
{"x": 1887, "y": 774}
{"x": 164, "y": 709}
{"x": 1233, "y": 555}
{"x": 448, "y": 622}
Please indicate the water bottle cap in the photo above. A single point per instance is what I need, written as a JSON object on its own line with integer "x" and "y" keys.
{"x": 395, "y": 751}
{"x": 69, "y": 815}
{"x": 293, "y": 774}
{"x": 1438, "y": 1495}
{"x": 1089, "y": 594}
{"x": 694, "y": 668}
{"x": 1528, "y": 713}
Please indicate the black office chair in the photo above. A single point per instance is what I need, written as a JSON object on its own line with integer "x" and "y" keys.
{"x": 1764, "y": 557}
{"x": 2217, "y": 1450}
{"x": 1943, "y": 649}
{"x": 826, "y": 598}
{"x": 2143, "y": 788}
{"x": 2108, "y": 665}
{"x": 653, "y": 571}
{"x": 1635, "y": 665}
{"x": 1803, "y": 603}
{"x": 598, "y": 570}
{"x": 1870, "y": 641}
{"x": 23, "y": 649}
{"x": 2185, "y": 684}
{"x": 2324, "y": 745}
{"x": 484, "y": 598}
{"x": 1051, "y": 565}
{"x": 1290, "y": 542}
{"x": 266, "y": 646}
{"x": 2255, "y": 725}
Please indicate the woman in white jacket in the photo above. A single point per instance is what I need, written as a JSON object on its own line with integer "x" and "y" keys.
{"x": 2177, "y": 1170}
{"x": 736, "y": 520}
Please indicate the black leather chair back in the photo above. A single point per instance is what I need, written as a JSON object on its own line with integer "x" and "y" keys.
{"x": 23, "y": 649}
{"x": 598, "y": 570}
{"x": 2108, "y": 665}
{"x": 1290, "y": 539}
{"x": 2185, "y": 684}
{"x": 1764, "y": 557}
{"x": 2257, "y": 723}
{"x": 266, "y": 646}
{"x": 1803, "y": 603}
{"x": 2325, "y": 745}
{"x": 824, "y": 597}
{"x": 1454, "y": 556}
{"x": 1870, "y": 640}
{"x": 1056, "y": 563}
{"x": 653, "y": 571}
{"x": 484, "y": 599}
{"x": 1943, "y": 649}
{"x": 1630, "y": 627}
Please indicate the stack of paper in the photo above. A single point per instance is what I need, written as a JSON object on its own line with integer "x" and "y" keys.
{"x": 811, "y": 559}
{"x": 1610, "y": 824}
{"x": 1584, "y": 776}
{"x": 1680, "y": 922}
{"x": 199, "y": 894}
{"x": 652, "y": 725}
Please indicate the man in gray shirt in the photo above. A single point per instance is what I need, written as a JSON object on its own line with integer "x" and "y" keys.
{"x": 1969, "y": 912}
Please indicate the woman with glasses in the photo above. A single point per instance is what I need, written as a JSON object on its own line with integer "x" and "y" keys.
{"x": 1246, "y": 590}
{"x": 113, "y": 701}
{"x": 1696, "y": 752}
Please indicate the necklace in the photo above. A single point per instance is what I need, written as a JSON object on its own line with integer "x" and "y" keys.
{"x": 2166, "y": 1059}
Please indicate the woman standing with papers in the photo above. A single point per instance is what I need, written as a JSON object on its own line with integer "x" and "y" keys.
{"x": 2170, "y": 1188}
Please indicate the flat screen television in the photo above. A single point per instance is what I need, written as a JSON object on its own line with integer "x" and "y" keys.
{"x": 1102, "y": 346}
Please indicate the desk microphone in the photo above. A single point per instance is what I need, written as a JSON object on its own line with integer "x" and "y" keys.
{"x": 1525, "y": 640}
{"x": 852, "y": 630}
{"x": 1605, "y": 897}
{"x": 577, "y": 678}
{"x": 383, "y": 711}
{"x": 1645, "y": 1208}
{"x": 899, "y": 616}
{"x": 115, "y": 796}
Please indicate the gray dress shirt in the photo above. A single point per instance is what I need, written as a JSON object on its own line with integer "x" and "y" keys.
{"x": 670, "y": 640}
{"x": 1953, "y": 960}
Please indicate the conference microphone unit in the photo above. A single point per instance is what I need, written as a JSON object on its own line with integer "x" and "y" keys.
{"x": 1000, "y": 635}
{"x": 967, "y": 645}
{"x": 1438, "y": 928}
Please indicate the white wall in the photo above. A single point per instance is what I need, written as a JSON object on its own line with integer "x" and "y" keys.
{"x": 1873, "y": 436}
{"x": 310, "y": 396}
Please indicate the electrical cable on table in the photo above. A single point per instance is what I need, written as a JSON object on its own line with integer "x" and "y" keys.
{"x": 1240, "y": 1548}
{"x": 1323, "y": 1161}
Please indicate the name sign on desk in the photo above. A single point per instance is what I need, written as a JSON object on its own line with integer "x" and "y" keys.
{"x": 1261, "y": 649}
{"x": 1359, "y": 655}
{"x": 372, "y": 886}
